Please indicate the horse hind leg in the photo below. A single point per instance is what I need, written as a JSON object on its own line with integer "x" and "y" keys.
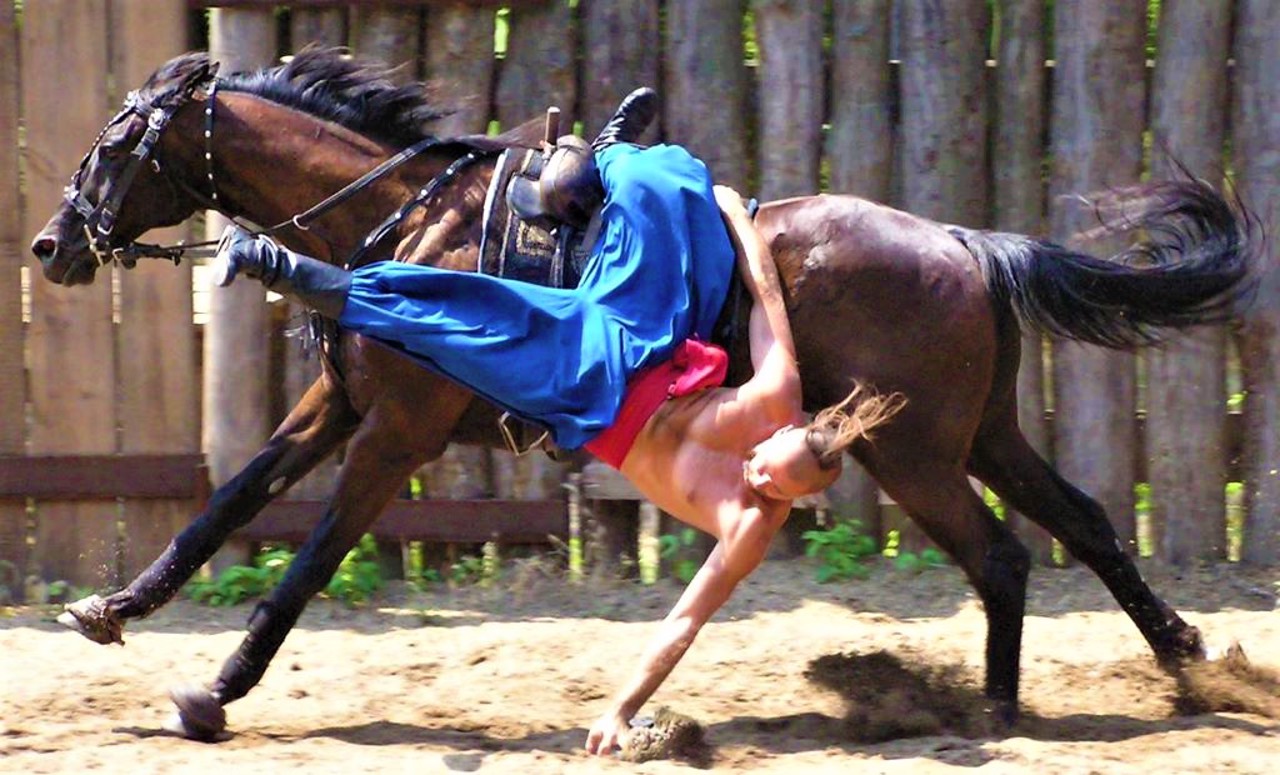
{"x": 1004, "y": 460}
{"x": 941, "y": 501}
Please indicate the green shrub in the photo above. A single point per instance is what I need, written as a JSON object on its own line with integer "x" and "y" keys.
{"x": 840, "y": 550}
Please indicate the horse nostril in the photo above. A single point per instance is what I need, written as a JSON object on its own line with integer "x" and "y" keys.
{"x": 44, "y": 247}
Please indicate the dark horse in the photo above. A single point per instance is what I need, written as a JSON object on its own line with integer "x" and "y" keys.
{"x": 875, "y": 294}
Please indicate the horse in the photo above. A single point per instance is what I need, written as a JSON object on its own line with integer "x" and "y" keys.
{"x": 877, "y": 295}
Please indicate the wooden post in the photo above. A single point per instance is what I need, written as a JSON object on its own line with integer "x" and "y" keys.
{"x": 539, "y": 69}
{"x": 1018, "y": 192}
{"x": 390, "y": 35}
{"x": 324, "y": 27}
{"x": 1186, "y": 380}
{"x": 790, "y": 88}
{"x": 64, "y": 68}
{"x": 1097, "y": 143}
{"x": 1255, "y": 137}
{"x": 620, "y": 53}
{"x": 860, "y": 156}
{"x": 13, "y": 393}
{"x": 159, "y": 402}
{"x": 705, "y": 85}
{"x": 236, "y": 338}
{"x": 459, "y": 61}
{"x": 944, "y": 116}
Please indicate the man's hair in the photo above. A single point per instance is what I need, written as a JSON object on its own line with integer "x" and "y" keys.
{"x": 833, "y": 429}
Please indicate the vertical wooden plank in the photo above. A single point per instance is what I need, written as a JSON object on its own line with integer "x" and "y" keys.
{"x": 324, "y": 27}
{"x": 703, "y": 55}
{"x": 539, "y": 68}
{"x": 73, "y": 378}
{"x": 860, "y": 157}
{"x": 620, "y": 53}
{"x": 390, "y": 35}
{"x": 944, "y": 116}
{"x": 860, "y": 142}
{"x": 1186, "y": 397}
{"x": 159, "y": 403}
{"x": 236, "y": 345}
{"x": 790, "y": 88}
{"x": 1255, "y": 137}
{"x": 1018, "y": 193}
{"x": 460, "y": 65}
{"x": 1098, "y": 99}
{"x": 13, "y": 388}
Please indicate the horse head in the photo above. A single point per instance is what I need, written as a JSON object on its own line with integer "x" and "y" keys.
{"x": 123, "y": 187}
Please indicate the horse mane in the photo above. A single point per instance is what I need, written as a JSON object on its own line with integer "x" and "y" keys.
{"x": 325, "y": 83}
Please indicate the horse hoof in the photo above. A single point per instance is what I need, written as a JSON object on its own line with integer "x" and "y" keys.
{"x": 200, "y": 716}
{"x": 90, "y": 618}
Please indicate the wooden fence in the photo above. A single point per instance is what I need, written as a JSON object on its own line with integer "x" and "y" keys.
{"x": 940, "y": 108}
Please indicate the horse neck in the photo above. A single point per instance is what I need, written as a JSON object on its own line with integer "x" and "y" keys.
{"x": 271, "y": 162}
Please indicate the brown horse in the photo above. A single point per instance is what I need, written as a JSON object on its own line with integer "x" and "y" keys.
{"x": 877, "y": 295}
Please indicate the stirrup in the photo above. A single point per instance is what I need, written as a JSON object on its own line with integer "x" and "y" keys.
{"x": 510, "y": 440}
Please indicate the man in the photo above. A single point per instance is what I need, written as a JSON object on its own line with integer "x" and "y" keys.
{"x": 727, "y": 461}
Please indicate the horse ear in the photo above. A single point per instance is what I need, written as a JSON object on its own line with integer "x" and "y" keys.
{"x": 200, "y": 76}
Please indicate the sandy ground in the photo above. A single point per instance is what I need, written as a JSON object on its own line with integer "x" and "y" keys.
{"x": 507, "y": 680}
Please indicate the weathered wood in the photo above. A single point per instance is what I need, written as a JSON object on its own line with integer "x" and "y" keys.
{"x": 13, "y": 389}
{"x": 73, "y": 377}
{"x": 1098, "y": 99}
{"x": 159, "y": 384}
{"x": 705, "y": 86}
{"x": 1018, "y": 193}
{"x": 620, "y": 52}
{"x": 860, "y": 157}
{"x": 860, "y": 141}
{"x": 944, "y": 110}
{"x": 107, "y": 477}
{"x": 437, "y": 520}
{"x": 538, "y": 70}
{"x": 460, "y": 65}
{"x": 791, "y": 89}
{"x": 1186, "y": 393}
{"x": 1255, "y": 137}
{"x": 235, "y": 395}
{"x": 389, "y": 35}
{"x": 318, "y": 26}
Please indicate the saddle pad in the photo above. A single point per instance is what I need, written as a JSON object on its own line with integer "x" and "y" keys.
{"x": 512, "y": 248}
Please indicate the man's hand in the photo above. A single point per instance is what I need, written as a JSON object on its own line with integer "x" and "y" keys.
{"x": 608, "y": 733}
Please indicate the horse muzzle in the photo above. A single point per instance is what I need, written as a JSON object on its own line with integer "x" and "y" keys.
{"x": 64, "y": 263}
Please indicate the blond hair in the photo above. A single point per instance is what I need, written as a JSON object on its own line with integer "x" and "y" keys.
{"x": 833, "y": 429}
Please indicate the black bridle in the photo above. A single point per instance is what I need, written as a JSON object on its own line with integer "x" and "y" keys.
{"x": 100, "y": 219}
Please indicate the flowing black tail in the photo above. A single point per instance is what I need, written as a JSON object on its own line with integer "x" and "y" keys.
{"x": 1194, "y": 267}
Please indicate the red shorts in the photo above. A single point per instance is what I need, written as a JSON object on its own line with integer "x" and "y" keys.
{"x": 693, "y": 366}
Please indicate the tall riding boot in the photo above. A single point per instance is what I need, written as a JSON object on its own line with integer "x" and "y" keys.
{"x": 633, "y": 116}
{"x": 320, "y": 286}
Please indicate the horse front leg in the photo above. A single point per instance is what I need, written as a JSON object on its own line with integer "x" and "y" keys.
{"x": 321, "y": 421}
{"x": 379, "y": 460}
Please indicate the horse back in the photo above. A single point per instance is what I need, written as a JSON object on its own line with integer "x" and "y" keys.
{"x": 890, "y": 299}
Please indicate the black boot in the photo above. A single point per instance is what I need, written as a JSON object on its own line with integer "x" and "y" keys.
{"x": 633, "y": 116}
{"x": 318, "y": 285}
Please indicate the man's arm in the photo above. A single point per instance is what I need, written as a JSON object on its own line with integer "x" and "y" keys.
{"x": 773, "y": 354}
{"x": 739, "y": 551}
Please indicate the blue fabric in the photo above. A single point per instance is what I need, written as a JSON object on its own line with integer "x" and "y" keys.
{"x": 562, "y": 358}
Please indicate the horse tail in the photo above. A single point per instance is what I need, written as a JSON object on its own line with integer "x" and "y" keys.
{"x": 1195, "y": 266}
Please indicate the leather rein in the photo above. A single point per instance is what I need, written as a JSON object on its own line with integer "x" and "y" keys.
{"x": 100, "y": 219}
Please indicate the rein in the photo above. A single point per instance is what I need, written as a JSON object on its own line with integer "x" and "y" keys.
{"x": 99, "y": 235}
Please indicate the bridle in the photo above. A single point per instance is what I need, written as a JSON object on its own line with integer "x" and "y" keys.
{"x": 100, "y": 219}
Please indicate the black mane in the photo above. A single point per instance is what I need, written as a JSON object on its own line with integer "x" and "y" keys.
{"x": 358, "y": 95}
